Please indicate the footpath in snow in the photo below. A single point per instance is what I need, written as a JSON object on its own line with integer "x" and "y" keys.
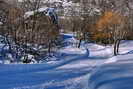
{"x": 71, "y": 71}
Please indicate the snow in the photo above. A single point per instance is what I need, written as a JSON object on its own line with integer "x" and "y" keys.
{"x": 117, "y": 70}
{"x": 73, "y": 50}
{"x": 29, "y": 13}
{"x": 43, "y": 9}
{"x": 1, "y": 23}
{"x": 52, "y": 1}
{"x": 117, "y": 75}
{"x": 92, "y": 66}
{"x": 48, "y": 11}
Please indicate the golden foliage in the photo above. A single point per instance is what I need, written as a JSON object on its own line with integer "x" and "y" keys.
{"x": 101, "y": 36}
{"x": 105, "y": 25}
{"x": 108, "y": 19}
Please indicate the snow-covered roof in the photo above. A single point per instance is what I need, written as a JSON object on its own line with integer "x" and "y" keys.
{"x": 51, "y": 12}
{"x": 51, "y": 1}
{"x": 1, "y": 23}
{"x": 29, "y": 13}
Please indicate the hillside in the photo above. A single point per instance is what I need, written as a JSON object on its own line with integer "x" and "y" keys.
{"x": 66, "y": 44}
{"x": 70, "y": 71}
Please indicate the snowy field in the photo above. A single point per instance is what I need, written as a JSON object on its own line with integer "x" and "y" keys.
{"x": 90, "y": 67}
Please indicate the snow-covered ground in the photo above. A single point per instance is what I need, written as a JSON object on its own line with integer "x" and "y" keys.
{"x": 73, "y": 69}
{"x": 116, "y": 72}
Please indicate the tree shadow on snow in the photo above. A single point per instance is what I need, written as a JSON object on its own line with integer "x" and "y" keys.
{"x": 130, "y": 52}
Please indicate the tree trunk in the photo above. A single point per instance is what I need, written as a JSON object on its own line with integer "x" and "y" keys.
{"x": 84, "y": 36}
{"x": 49, "y": 48}
{"x": 118, "y": 45}
{"x": 79, "y": 43}
{"x": 115, "y": 48}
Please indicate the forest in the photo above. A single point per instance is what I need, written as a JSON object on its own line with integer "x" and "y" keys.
{"x": 29, "y": 31}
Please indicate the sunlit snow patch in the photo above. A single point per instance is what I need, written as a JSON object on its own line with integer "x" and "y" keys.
{"x": 73, "y": 50}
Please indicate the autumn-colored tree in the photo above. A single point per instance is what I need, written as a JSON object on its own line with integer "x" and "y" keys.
{"x": 111, "y": 26}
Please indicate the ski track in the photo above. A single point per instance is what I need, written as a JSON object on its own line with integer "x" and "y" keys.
{"x": 71, "y": 73}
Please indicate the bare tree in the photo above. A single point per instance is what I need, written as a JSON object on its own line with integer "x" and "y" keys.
{"x": 37, "y": 28}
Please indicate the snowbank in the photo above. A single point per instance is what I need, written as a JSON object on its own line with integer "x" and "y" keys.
{"x": 116, "y": 72}
{"x": 116, "y": 75}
